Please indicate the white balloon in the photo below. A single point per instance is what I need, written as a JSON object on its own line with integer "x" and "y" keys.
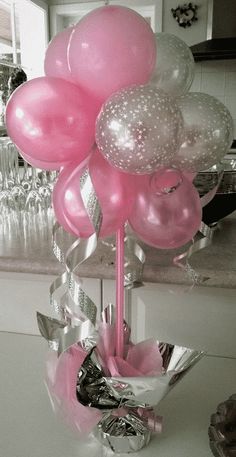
{"x": 175, "y": 65}
{"x": 139, "y": 129}
{"x": 207, "y": 133}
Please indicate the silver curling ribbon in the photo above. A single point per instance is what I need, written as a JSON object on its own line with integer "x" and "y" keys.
{"x": 134, "y": 261}
{"x": 61, "y": 336}
{"x": 58, "y": 301}
{"x": 74, "y": 306}
{"x": 205, "y": 232}
{"x": 81, "y": 250}
{"x": 206, "y": 235}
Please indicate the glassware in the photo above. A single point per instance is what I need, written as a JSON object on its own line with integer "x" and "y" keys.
{"x": 25, "y": 195}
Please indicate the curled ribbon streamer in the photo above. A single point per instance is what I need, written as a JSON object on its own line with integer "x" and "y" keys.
{"x": 75, "y": 305}
{"x": 82, "y": 249}
{"x": 135, "y": 259}
{"x": 58, "y": 306}
{"x": 204, "y": 230}
{"x": 134, "y": 262}
{"x": 61, "y": 336}
{"x": 196, "y": 278}
{"x": 78, "y": 253}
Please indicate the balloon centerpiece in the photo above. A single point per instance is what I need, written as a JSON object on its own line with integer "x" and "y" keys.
{"x": 113, "y": 113}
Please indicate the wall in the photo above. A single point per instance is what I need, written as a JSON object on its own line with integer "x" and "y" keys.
{"x": 218, "y": 78}
{"x": 192, "y": 35}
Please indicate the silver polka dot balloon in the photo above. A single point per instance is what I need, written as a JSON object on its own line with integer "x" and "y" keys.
{"x": 175, "y": 65}
{"x": 138, "y": 129}
{"x": 207, "y": 133}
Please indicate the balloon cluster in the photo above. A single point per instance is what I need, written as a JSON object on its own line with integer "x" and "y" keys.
{"x": 115, "y": 99}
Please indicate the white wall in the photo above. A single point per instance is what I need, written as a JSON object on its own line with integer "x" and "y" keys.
{"x": 218, "y": 78}
{"x": 192, "y": 35}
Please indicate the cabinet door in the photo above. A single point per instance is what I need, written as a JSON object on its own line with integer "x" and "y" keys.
{"x": 203, "y": 318}
{"x": 22, "y": 295}
{"x": 62, "y": 16}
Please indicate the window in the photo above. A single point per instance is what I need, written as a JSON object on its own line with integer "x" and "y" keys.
{"x": 23, "y": 35}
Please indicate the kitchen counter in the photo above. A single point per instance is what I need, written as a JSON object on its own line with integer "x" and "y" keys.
{"x": 25, "y": 246}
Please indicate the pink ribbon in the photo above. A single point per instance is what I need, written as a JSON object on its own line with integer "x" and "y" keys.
{"x": 152, "y": 420}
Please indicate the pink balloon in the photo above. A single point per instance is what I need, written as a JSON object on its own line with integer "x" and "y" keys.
{"x": 51, "y": 120}
{"x": 115, "y": 191}
{"x": 167, "y": 211}
{"x": 39, "y": 163}
{"x": 189, "y": 175}
{"x": 55, "y": 63}
{"x": 112, "y": 47}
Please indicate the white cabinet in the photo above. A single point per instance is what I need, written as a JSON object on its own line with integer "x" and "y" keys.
{"x": 62, "y": 16}
{"x": 22, "y": 295}
{"x": 203, "y": 318}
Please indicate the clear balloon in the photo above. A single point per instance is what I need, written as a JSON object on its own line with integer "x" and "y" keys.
{"x": 115, "y": 192}
{"x": 56, "y": 63}
{"x": 167, "y": 211}
{"x": 112, "y": 47}
{"x": 138, "y": 129}
{"x": 174, "y": 70}
{"x": 207, "y": 132}
{"x": 190, "y": 175}
{"x": 51, "y": 120}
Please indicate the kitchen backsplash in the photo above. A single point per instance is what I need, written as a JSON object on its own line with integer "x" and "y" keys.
{"x": 218, "y": 78}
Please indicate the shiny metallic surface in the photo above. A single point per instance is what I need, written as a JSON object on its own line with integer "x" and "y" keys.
{"x": 134, "y": 263}
{"x": 62, "y": 336}
{"x": 206, "y": 180}
{"x": 222, "y": 430}
{"x": 123, "y": 434}
{"x": 204, "y": 240}
{"x": 74, "y": 302}
{"x": 96, "y": 390}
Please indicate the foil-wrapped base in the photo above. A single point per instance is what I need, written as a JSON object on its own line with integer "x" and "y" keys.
{"x": 222, "y": 431}
{"x": 123, "y": 434}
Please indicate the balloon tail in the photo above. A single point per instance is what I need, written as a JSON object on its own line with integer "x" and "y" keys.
{"x": 120, "y": 235}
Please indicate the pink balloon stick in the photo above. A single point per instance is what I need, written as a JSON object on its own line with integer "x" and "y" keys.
{"x": 120, "y": 235}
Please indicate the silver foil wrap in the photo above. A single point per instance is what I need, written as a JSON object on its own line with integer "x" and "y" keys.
{"x": 96, "y": 390}
{"x": 123, "y": 434}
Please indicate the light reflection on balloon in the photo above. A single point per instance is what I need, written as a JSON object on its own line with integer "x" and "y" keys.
{"x": 174, "y": 70}
{"x": 167, "y": 211}
{"x": 138, "y": 129}
{"x": 207, "y": 132}
{"x": 116, "y": 192}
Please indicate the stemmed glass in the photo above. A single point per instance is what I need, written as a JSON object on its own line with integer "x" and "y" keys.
{"x": 7, "y": 202}
{"x": 34, "y": 200}
{"x": 17, "y": 190}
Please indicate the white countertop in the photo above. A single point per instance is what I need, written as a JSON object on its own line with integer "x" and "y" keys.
{"x": 28, "y": 427}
